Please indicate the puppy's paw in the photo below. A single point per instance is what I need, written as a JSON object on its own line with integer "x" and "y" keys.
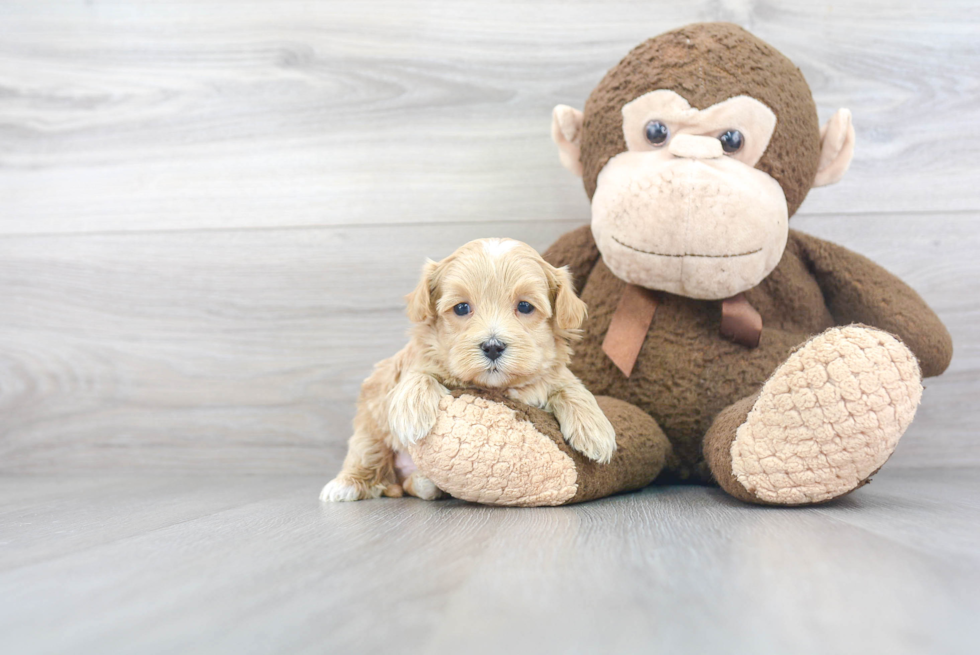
{"x": 411, "y": 419}
{"x": 587, "y": 430}
{"x": 342, "y": 489}
{"x": 422, "y": 487}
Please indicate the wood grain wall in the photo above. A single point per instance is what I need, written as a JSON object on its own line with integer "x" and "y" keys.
{"x": 210, "y": 209}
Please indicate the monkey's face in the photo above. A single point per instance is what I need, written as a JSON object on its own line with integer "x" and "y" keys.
{"x": 695, "y": 150}
{"x": 684, "y": 209}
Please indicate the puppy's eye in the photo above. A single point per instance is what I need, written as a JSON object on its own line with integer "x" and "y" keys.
{"x": 525, "y": 307}
{"x": 462, "y": 309}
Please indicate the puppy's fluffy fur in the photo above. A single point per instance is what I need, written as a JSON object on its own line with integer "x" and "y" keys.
{"x": 494, "y": 315}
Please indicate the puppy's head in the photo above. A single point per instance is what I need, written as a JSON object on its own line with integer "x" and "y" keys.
{"x": 495, "y": 314}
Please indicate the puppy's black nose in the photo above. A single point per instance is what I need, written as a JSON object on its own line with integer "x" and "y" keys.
{"x": 493, "y": 348}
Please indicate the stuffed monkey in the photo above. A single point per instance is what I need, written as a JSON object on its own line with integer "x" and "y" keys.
{"x": 724, "y": 347}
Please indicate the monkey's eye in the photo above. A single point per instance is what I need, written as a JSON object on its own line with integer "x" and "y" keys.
{"x": 462, "y": 309}
{"x": 525, "y": 307}
{"x": 731, "y": 141}
{"x": 657, "y": 133}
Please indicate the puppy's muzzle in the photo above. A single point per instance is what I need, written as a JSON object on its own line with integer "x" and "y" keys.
{"x": 493, "y": 349}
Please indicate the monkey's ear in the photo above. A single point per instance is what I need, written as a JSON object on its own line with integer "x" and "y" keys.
{"x": 836, "y": 148}
{"x": 569, "y": 310}
{"x": 566, "y": 132}
{"x": 421, "y": 305}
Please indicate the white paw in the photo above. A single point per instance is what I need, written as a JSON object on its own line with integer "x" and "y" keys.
{"x": 338, "y": 490}
{"x": 409, "y": 433}
{"x": 410, "y": 423}
{"x": 591, "y": 434}
{"x": 413, "y": 406}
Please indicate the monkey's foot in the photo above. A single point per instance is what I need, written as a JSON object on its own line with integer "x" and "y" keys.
{"x": 482, "y": 451}
{"x": 822, "y": 425}
{"x": 489, "y": 449}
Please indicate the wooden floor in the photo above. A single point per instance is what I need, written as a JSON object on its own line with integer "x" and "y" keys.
{"x": 259, "y": 565}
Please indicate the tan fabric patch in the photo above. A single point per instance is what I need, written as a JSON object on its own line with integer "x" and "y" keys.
{"x": 629, "y": 327}
{"x": 699, "y": 228}
{"x": 828, "y": 418}
{"x": 482, "y": 452}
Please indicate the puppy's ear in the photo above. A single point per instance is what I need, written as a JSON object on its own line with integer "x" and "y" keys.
{"x": 421, "y": 304}
{"x": 569, "y": 310}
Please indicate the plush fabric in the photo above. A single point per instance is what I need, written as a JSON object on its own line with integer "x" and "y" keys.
{"x": 829, "y": 417}
{"x": 489, "y": 449}
{"x": 686, "y": 374}
{"x": 565, "y": 129}
{"x": 670, "y": 237}
{"x": 717, "y": 447}
{"x": 859, "y": 291}
{"x": 809, "y": 413}
{"x": 710, "y": 63}
{"x": 752, "y": 118}
{"x": 486, "y": 452}
{"x": 628, "y": 327}
{"x": 838, "y": 135}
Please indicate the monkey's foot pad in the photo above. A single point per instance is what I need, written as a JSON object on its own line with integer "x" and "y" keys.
{"x": 828, "y": 418}
{"x": 482, "y": 451}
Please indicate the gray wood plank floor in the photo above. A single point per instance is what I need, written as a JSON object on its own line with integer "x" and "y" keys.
{"x": 259, "y": 565}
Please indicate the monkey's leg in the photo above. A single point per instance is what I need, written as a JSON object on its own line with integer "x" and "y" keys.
{"x": 822, "y": 425}
{"x": 489, "y": 449}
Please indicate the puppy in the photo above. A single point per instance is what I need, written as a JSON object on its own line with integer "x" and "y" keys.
{"x": 493, "y": 315}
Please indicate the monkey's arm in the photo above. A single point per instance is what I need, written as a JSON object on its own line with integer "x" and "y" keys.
{"x": 859, "y": 291}
{"x": 577, "y": 251}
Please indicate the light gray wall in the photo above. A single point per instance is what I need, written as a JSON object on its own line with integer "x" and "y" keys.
{"x": 210, "y": 210}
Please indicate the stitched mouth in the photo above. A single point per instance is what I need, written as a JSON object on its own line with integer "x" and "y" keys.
{"x": 664, "y": 254}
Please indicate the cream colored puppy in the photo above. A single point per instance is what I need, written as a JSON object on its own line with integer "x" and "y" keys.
{"x": 494, "y": 315}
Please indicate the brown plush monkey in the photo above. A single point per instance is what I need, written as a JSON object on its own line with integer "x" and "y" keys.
{"x": 731, "y": 349}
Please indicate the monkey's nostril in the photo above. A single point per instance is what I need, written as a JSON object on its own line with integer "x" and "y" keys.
{"x": 493, "y": 349}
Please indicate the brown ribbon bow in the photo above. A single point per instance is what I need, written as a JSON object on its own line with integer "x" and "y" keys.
{"x": 740, "y": 322}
